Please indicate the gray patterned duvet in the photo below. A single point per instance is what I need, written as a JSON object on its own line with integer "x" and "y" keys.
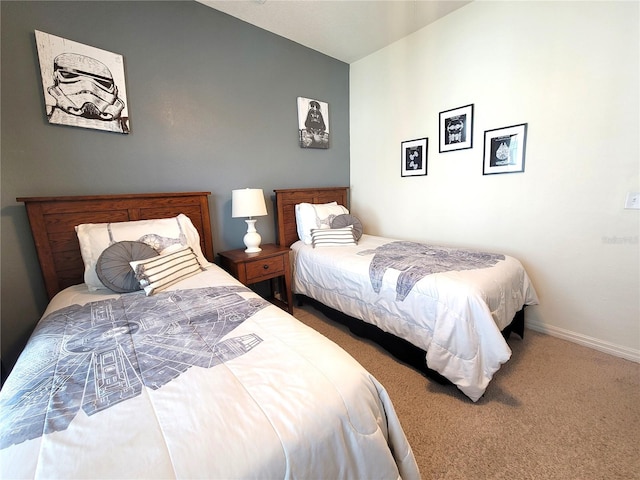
{"x": 207, "y": 380}
{"x": 451, "y": 303}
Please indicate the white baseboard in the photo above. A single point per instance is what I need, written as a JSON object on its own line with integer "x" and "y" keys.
{"x": 606, "y": 347}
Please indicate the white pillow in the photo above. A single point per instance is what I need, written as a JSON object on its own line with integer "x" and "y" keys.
{"x": 332, "y": 237}
{"x": 159, "y": 273}
{"x": 318, "y": 215}
{"x": 161, "y": 233}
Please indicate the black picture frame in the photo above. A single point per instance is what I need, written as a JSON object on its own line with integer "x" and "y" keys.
{"x": 504, "y": 149}
{"x": 414, "y": 157}
{"x": 456, "y": 129}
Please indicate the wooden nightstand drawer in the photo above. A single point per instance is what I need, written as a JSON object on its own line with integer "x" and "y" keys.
{"x": 267, "y": 268}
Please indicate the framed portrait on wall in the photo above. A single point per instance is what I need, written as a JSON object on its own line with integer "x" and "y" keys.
{"x": 456, "y": 129}
{"x": 313, "y": 123}
{"x": 414, "y": 157}
{"x": 83, "y": 86}
{"x": 504, "y": 149}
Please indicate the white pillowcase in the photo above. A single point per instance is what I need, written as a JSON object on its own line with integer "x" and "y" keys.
{"x": 332, "y": 237}
{"x": 160, "y": 234}
{"x": 318, "y": 215}
{"x": 158, "y": 273}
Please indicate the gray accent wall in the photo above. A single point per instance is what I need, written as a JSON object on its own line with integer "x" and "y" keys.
{"x": 212, "y": 105}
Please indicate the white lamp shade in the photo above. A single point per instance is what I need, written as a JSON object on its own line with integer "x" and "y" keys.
{"x": 248, "y": 202}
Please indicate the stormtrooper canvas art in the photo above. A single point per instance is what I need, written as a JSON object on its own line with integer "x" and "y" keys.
{"x": 83, "y": 86}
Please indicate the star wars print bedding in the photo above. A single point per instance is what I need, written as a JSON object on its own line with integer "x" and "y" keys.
{"x": 205, "y": 380}
{"x": 451, "y": 303}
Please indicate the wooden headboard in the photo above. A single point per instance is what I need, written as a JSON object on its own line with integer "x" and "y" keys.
{"x": 53, "y": 221}
{"x": 287, "y": 199}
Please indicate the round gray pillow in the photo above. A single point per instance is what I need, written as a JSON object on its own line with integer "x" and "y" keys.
{"x": 114, "y": 270}
{"x": 344, "y": 220}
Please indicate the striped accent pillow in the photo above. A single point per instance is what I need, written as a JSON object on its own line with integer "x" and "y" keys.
{"x": 159, "y": 273}
{"x": 332, "y": 237}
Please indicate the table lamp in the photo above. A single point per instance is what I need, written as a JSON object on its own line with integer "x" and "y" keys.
{"x": 249, "y": 202}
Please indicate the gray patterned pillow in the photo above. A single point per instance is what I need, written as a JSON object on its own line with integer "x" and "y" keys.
{"x": 113, "y": 267}
{"x": 344, "y": 220}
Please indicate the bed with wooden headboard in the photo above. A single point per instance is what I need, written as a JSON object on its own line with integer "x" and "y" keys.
{"x": 53, "y": 221}
{"x": 287, "y": 199}
{"x": 183, "y": 380}
{"x": 406, "y": 326}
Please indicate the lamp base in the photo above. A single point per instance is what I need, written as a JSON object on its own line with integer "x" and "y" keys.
{"x": 252, "y": 238}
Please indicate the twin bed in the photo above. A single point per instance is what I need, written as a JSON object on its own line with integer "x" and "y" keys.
{"x": 194, "y": 377}
{"x": 445, "y": 311}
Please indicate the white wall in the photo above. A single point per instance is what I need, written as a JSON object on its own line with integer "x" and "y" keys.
{"x": 571, "y": 71}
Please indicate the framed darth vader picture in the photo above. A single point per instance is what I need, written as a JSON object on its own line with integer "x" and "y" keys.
{"x": 313, "y": 123}
{"x": 83, "y": 86}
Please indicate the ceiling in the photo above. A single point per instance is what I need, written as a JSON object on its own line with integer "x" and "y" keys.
{"x": 347, "y": 30}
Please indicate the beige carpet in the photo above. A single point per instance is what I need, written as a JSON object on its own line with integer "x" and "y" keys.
{"x": 556, "y": 410}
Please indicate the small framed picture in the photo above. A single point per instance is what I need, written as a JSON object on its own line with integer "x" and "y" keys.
{"x": 456, "y": 129}
{"x": 313, "y": 123}
{"x": 414, "y": 157}
{"x": 504, "y": 149}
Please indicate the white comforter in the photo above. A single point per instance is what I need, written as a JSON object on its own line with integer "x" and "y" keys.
{"x": 456, "y": 316}
{"x": 294, "y": 406}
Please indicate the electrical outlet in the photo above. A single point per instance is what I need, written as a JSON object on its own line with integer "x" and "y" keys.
{"x": 633, "y": 201}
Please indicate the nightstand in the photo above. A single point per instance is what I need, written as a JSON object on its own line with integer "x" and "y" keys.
{"x": 272, "y": 263}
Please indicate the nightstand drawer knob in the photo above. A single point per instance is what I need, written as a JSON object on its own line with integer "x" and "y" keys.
{"x": 266, "y": 267}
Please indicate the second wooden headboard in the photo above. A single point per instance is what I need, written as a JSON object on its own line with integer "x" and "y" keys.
{"x": 288, "y": 198}
{"x": 53, "y": 221}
